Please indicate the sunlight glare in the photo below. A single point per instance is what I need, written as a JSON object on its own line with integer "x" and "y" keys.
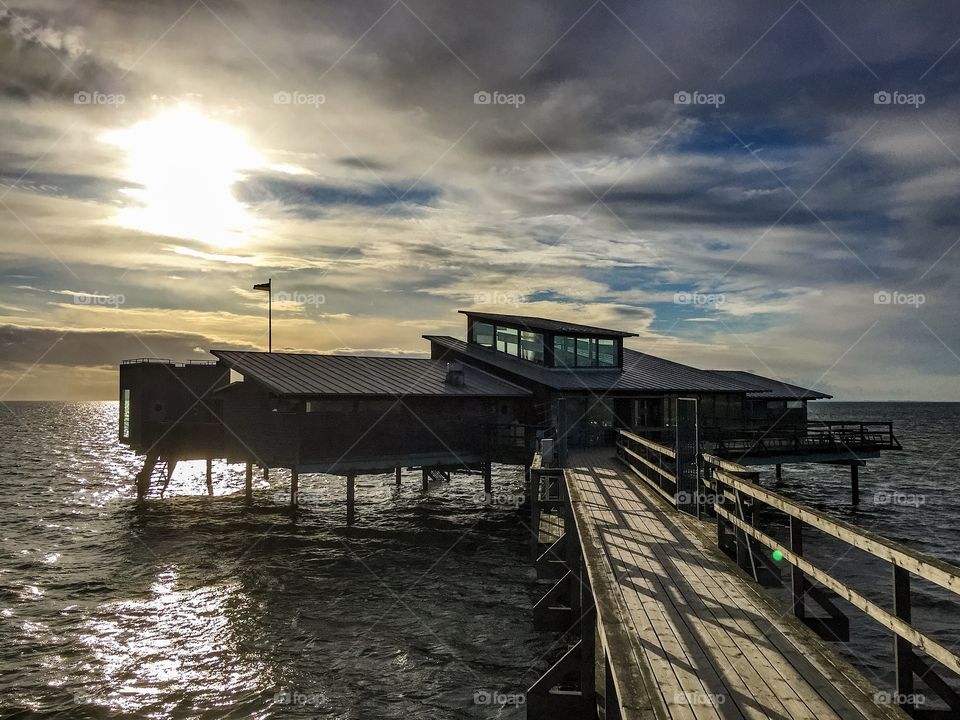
{"x": 185, "y": 164}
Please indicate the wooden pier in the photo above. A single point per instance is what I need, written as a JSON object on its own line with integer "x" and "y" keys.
{"x": 668, "y": 626}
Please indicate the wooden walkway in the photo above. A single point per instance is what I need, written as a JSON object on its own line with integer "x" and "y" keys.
{"x": 687, "y": 634}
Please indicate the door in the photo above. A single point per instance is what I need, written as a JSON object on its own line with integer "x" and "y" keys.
{"x": 687, "y": 448}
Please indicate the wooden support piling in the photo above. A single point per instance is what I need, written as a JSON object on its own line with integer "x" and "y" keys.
{"x": 855, "y": 483}
{"x": 399, "y": 476}
{"x": 351, "y": 494}
{"x": 294, "y": 487}
{"x": 779, "y": 471}
{"x": 266, "y": 473}
{"x": 797, "y": 580}
{"x": 248, "y": 483}
{"x": 487, "y": 479}
{"x": 210, "y": 477}
{"x": 902, "y": 650}
{"x": 426, "y": 479}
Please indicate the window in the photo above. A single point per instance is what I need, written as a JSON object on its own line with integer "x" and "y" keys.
{"x": 795, "y": 404}
{"x": 564, "y": 351}
{"x": 531, "y": 346}
{"x": 508, "y": 341}
{"x": 586, "y": 352}
{"x": 125, "y": 415}
{"x": 483, "y": 334}
{"x": 606, "y": 353}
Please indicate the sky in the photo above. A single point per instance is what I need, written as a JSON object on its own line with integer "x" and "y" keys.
{"x": 760, "y": 185}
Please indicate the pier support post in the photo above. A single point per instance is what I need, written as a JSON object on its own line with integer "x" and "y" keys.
{"x": 797, "y": 579}
{"x": 426, "y": 478}
{"x": 210, "y": 477}
{"x": 487, "y": 480}
{"x": 351, "y": 494}
{"x": 294, "y": 487}
{"x": 266, "y": 473}
{"x": 398, "y": 476}
{"x": 902, "y": 650}
{"x": 855, "y": 483}
{"x": 248, "y": 483}
{"x": 779, "y": 471}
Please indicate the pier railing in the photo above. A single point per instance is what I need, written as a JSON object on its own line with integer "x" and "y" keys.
{"x": 653, "y": 462}
{"x": 815, "y": 436}
{"x": 736, "y": 497}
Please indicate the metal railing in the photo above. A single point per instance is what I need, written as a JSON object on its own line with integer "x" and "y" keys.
{"x": 816, "y": 436}
{"x": 166, "y": 361}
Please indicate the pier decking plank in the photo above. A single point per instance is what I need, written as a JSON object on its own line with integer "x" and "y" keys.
{"x": 713, "y": 645}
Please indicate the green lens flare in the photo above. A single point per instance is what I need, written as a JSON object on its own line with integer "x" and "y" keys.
{"x": 777, "y": 555}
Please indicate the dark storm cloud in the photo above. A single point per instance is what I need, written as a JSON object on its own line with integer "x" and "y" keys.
{"x": 93, "y": 348}
{"x": 309, "y": 199}
{"x": 40, "y": 60}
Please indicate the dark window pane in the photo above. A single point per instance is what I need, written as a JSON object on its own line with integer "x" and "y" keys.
{"x": 564, "y": 351}
{"x": 508, "y": 341}
{"x": 586, "y": 352}
{"x": 531, "y": 346}
{"x": 607, "y": 353}
{"x": 483, "y": 334}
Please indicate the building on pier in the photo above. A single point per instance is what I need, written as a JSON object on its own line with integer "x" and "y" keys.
{"x": 489, "y": 398}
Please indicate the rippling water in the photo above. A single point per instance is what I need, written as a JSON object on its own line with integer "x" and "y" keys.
{"x": 197, "y": 608}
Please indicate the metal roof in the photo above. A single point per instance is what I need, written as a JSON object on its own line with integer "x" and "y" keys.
{"x": 304, "y": 374}
{"x": 641, "y": 372}
{"x": 528, "y": 322}
{"x": 772, "y": 389}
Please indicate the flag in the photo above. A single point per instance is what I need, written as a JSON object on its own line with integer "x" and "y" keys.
{"x": 263, "y": 286}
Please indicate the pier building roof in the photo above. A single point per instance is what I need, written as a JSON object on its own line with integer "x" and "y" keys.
{"x": 306, "y": 375}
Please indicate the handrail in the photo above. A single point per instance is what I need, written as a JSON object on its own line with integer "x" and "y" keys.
{"x": 656, "y": 447}
{"x": 728, "y": 480}
{"x": 166, "y": 361}
{"x": 929, "y": 568}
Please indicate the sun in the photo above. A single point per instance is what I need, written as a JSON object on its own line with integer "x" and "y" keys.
{"x": 184, "y": 165}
